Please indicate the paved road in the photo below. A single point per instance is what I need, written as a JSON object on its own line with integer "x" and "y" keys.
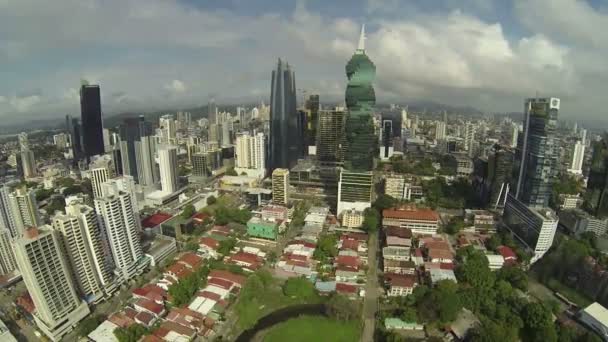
{"x": 370, "y": 303}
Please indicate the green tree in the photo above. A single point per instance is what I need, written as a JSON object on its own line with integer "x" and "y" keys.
{"x": 130, "y": 334}
{"x": 226, "y": 246}
{"x": 299, "y": 288}
{"x": 341, "y": 308}
{"x": 454, "y": 226}
{"x": 326, "y": 247}
{"x": 515, "y": 276}
{"x": 86, "y": 326}
{"x": 384, "y": 202}
{"x": 371, "y": 220}
{"x": 211, "y": 200}
{"x": 409, "y": 315}
{"x": 188, "y": 211}
{"x": 474, "y": 269}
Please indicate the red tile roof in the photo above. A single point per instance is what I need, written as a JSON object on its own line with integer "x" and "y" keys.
{"x": 440, "y": 254}
{"x": 25, "y": 301}
{"x": 210, "y": 295}
{"x": 221, "y": 274}
{"x": 150, "y": 291}
{"x": 403, "y": 233}
{"x": 150, "y": 306}
{"x": 411, "y": 214}
{"x": 251, "y": 259}
{"x": 401, "y": 280}
{"x": 303, "y": 243}
{"x": 507, "y": 253}
{"x": 225, "y": 284}
{"x": 168, "y": 326}
{"x": 295, "y": 257}
{"x": 155, "y": 219}
{"x": 209, "y": 242}
{"x": 350, "y": 244}
{"x": 151, "y": 338}
{"x": 346, "y": 288}
{"x": 191, "y": 260}
{"x": 354, "y": 236}
{"x": 144, "y": 318}
{"x": 347, "y": 260}
{"x": 437, "y": 245}
{"x": 200, "y": 217}
{"x": 120, "y": 319}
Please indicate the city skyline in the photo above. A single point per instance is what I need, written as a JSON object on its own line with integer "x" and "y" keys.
{"x": 506, "y": 42}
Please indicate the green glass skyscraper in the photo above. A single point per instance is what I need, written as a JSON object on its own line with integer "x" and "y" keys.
{"x": 360, "y": 139}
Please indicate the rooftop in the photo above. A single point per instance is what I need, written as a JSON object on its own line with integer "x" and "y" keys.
{"x": 411, "y": 213}
{"x": 155, "y": 219}
{"x": 598, "y": 312}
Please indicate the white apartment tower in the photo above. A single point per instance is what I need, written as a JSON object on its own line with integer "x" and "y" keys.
{"x": 168, "y": 129}
{"x": 24, "y": 210}
{"x": 167, "y": 162}
{"x": 48, "y": 279}
{"x": 28, "y": 162}
{"x": 120, "y": 223}
{"x": 101, "y": 169}
{"x": 7, "y": 220}
{"x": 578, "y": 156}
{"x": 280, "y": 186}
{"x": 440, "y": 128}
{"x": 83, "y": 243}
{"x": 469, "y": 136}
{"x": 250, "y": 154}
{"x": 7, "y": 256}
{"x": 146, "y": 167}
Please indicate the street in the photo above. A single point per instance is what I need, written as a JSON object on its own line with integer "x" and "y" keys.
{"x": 370, "y": 303}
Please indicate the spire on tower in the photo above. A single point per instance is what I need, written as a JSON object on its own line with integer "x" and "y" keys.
{"x": 362, "y": 38}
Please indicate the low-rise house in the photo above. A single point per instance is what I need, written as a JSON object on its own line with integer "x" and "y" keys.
{"x": 150, "y": 307}
{"x": 348, "y": 290}
{"x": 400, "y": 284}
{"x": 264, "y": 229}
{"x": 190, "y": 319}
{"x": 419, "y": 221}
{"x": 145, "y": 318}
{"x": 191, "y": 260}
{"x": 176, "y": 272}
{"x": 440, "y": 256}
{"x": 249, "y": 262}
{"x": 173, "y": 332}
{"x": 402, "y": 236}
{"x": 151, "y": 292}
{"x": 393, "y": 323}
{"x": 417, "y": 258}
{"x": 237, "y": 279}
{"x": 347, "y": 274}
{"x": 208, "y": 247}
{"x": 439, "y": 274}
{"x": 399, "y": 267}
{"x": 508, "y": 255}
{"x": 396, "y": 253}
{"x": 495, "y": 261}
{"x": 325, "y": 287}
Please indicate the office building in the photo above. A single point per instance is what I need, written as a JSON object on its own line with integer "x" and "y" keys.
{"x": 61, "y": 141}
{"x": 360, "y": 138}
{"x": 280, "y": 186}
{"x": 355, "y": 191}
{"x": 83, "y": 243}
{"x": 28, "y": 163}
{"x": 131, "y": 132}
{"x": 212, "y": 112}
{"x": 184, "y": 119}
{"x": 499, "y": 178}
{"x": 577, "y": 222}
{"x": 119, "y": 220}
{"x": 101, "y": 169}
{"x": 330, "y": 137}
{"x": 386, "y": 140}
{"x": 205, "y": 163}
{"x": 24, "y": 209}
{"x": 8, "y": 264}
{"x": 23, "y": 141}
{"x": 312, "y": 120}
{"x": 7, "y": 221}
{"x": 168, "y": 129}
{"x": 148, "y": 172}
{"x": 75, "y": 138}
{"x": 167, "y": 162}
{"x": 91, "y": 120}
{"x": 250, "y": 153}
{"x": 578, "y": 156}
{"x": 538, "y": 152}
{"x": 533, "y": 228}
{"x": 396, "y": 187}
{"x": 47, "y": 276}
{"x": 596, "y": 196}
{"x": 285, "y": 141}
{"x": 419, "y": 221}
{"x": 440, "y": 129}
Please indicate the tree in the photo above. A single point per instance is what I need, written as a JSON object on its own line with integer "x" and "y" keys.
{"x": 89, "y": 324}
{"x": 43, "y": 194}
{"x": 474, "y": 270}
{"x": 299, "y": 288}
{"x": 326, "y": 247}
{"x": 371, "y": 220}
{"x": 191, "y": 246}
{"x": 188, "y": 211}
{"x": 131, "y": 334}
{"x": 226, "y": 246}
{"x": 454, "y": 226}
{"x": 409, "y": 315}
{"x": 211, "y": 200}
{"x": 341, "y": 308}
{"x": 515, "y": 276}
{"x": 384, "y": 202}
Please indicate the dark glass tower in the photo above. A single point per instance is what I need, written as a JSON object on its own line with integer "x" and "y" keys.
{"x": 312, "y": 120}
{"x": 360, "y": 139}
{"x": 92, "y": 127}
{"x": 285, "y": 143}
{"x": 131, "y": 131}
{"x": 330, "y": 136}
{"x": 596, "y": 197}
{"x": 538, "y": 152}
{"x": 500, "y": 170}
{"x": 387, "y": 138}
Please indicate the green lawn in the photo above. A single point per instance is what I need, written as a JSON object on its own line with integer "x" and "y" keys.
{"x": 580, "y": 299}
{"x": 310, "y": 328}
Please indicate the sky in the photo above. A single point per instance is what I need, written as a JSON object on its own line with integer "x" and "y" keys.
{"x": 157, "y": 54}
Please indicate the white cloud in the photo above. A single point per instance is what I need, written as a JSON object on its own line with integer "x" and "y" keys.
{"x": 176, "y": 87}
{"x": 25, "y": 103}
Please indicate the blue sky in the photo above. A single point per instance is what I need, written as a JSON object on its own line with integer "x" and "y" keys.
{"x": 151, "y": 54}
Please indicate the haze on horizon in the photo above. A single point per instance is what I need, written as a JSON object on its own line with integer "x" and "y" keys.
{"x": 152, "y": 54}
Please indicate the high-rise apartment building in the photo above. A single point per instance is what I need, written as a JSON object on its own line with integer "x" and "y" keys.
{"x": 168, "y": 129}
{"x": 8, "y": 264}
{"x": 285, "y": 142}
{"x": 23, "y": 141}
{"x": 91, "y": 120}
{"x": 101, "y": 169}
{"x": 280, "y": 186}
{"x": 75, "y": 131}
{"x": 148, "y": 172}
{"x": 28, "y": 163}
{"x": 440, "y": 128}
{"x": 596, "y": 196}
{"x": 330, "y": 137}
{"x": 397, "y": 187}
{"x": 167, "y": 162}
{"x": 7, "y": 220}
{"x": 131, "y": 132}
{"x": 312, "y": 120}
{"x": 24, "y": 209}
{"x": 184, "y": 119}
{"x": 360, "y": 138}
{"x": 212, "y": 112}
{"x": 250, "y": 153}
{"x": 120, "y": 222}
{"x": 47, "y": 276}
{"x": 83, "y": 243}
{"x": 538, "y": 152}
{"x": 469, "y": 136}
{"x": 355, "y": 191}
{"x": 578, "y": 156}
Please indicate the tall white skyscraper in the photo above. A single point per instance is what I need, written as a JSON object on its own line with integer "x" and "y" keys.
{"x": 49, "y": 281}
{"x": 102, "y": 169}
{"x": 106, "y": 139}
{"x": 578, "y": 156}
{"x": 225, "y": 134}
{"x": 83, "y": 242}
{"x": 28, "y": 162}
{"x": 24, "y": 209}
{"x": 7, "y": 256}
{"x": 469, "y": 135}
{"x": 404, "y": 119}
{"x": 440, "y": 130}
{"x": 7, "y": 220}
{"x": 250, "y": 154}
{"x": 120, "y": 222}
{"x": 167, "y": 126}
{"x": 514, "y": 134}
{"x": 23, "y": 141}
{"x": 167, "y": 162}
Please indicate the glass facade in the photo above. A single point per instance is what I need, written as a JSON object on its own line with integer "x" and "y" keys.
{"x": 596, "y": 197}
{"x": 92, "y": 127}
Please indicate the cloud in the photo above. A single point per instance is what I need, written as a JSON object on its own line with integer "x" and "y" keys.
{"x": 175, "y": 87}
{"x": 155, "y": 54}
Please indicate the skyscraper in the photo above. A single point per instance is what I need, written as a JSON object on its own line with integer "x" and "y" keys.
{"x": 8, "y": 264}
{"x": 212, "y": 112}
{"x": 361, "y": 140}
{"x": 168, "y": 129}
{"x": 312, "y": 120}
{"x": 280, "y": 186}
{"x": 23, "y": 141}
{"x": 7, "y": 220}
{"x": 578, "y": 156}
{"x": 386, "y": 142}
{"x": 167, "y": 162}
{"x": 101, "y": 170}
{"x": 75, "y": 138}
{"x": 28, "y": 162}
{"x": 24, "y": 209}
{"x": 538, "y": 152}
{"x": 147, "y": 172}
{"x": 440, "y": 128}
{"x": 330, "y": 137}
{"x": 596, "y": 196}
{"x": 285, "y": 141}
{"x": 469, "y": 136}
{"x": 92, "y": 125}
{"x": 500, "y": 170}
{"x": 48, "y": 279}
{"x": 82, "y": 240}
{"x": 250, "y": 153}
{"x": 119, "y": 220}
